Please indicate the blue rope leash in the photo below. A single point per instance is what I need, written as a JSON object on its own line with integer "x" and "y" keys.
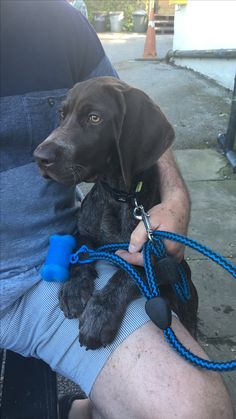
{"x": 151, "y": 290}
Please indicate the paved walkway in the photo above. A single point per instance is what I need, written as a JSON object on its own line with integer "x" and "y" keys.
{"x": 199, "y": 110}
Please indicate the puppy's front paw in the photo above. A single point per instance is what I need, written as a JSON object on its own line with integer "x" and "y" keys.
{"x": 70, "y": 300}
{"x": 99, "y": 321}
{"x": 75, "y": 293}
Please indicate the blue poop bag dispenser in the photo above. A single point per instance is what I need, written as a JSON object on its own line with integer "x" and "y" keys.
{"x": 56, "y": 266}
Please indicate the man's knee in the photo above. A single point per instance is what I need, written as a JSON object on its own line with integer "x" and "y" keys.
{"x": 212, "y": 399}
{"x": 144, "y": 378}
{"x": 205, "y": 398}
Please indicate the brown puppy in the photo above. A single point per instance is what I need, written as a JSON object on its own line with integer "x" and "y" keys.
{"x": 110, "y": 134}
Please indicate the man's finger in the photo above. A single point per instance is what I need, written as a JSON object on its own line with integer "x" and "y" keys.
{"x": 133, "y": 258}
{"x": 138, "y": 238}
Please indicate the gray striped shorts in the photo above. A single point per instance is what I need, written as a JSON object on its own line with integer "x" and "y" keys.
{"x": 35, "y": 326}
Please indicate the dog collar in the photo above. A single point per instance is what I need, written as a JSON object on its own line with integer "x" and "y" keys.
{"x": 121, "y": 196}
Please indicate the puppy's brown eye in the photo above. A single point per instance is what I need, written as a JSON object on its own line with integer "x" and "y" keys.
{"x": 94, "y": 119}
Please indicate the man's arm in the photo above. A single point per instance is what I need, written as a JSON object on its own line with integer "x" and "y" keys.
{"x": 172, "y": 214}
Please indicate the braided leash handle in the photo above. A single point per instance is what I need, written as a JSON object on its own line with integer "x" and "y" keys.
{"x": 168, "y": 332}
{"x": 216, "y": 257}
{"x": 104, "y": 253}
{"x": 194, "y": 359}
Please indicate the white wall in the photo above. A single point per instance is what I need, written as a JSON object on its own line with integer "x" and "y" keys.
{"x": 207, "y": 24}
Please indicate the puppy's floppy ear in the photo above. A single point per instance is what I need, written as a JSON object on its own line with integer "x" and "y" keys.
{"x": 145, "y": 134}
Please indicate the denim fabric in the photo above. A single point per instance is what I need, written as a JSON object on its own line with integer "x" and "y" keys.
{"x": 46, "y": 45}
{"x": 104, "y": 68}
{"x": 32, "y": 208}
{"x": 26, "y": 120}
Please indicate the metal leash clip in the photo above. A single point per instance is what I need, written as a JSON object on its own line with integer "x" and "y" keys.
{"x": 140, "y": 214}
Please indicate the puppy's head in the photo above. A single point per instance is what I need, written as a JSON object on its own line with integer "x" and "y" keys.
{"x": 107, "y": 127}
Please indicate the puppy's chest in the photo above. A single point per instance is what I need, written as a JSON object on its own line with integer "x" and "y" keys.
{"x": 106, "y": 222}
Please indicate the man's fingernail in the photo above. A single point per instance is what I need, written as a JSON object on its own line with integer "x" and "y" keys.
{"x": 132, "y": 248}
{"x": 120, "y": 252}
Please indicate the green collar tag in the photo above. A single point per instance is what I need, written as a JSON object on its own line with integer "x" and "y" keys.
{"x": 139, "y": 186}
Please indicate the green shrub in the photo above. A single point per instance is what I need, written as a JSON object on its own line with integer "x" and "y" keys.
{"x": 127, "y": 6}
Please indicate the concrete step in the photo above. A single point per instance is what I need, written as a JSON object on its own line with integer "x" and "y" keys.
{"x": 164, "y": 24}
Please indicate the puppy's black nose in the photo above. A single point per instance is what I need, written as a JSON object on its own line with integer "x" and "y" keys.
{"x": 45, "y": 155}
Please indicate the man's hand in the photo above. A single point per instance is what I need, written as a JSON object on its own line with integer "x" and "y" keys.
{"x": 167, "y": 216}
{"x": 172, "y": 214}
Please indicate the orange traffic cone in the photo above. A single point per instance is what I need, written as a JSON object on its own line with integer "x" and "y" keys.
{"x": 150, "y": 42}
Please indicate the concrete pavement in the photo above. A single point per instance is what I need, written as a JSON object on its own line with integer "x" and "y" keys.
{"x": 198, "y": 109}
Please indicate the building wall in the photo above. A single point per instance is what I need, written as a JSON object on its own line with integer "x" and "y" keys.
{"x": 208, "y": 24}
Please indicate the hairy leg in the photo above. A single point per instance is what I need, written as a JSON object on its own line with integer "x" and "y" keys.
{"x": 145, "y": 378}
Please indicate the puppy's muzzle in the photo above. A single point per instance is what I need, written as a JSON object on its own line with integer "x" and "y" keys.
{"x": 45, "y": 156}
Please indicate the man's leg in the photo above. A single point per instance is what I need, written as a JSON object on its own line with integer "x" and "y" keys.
{"x": 144, "y": 378}
{"x": 137, "y": 376}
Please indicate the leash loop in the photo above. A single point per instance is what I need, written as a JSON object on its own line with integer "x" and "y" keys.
{"x": 76, "y": 257}
{"x": 156, "y": 306}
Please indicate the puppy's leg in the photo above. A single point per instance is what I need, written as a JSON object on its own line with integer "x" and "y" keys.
{"x": 104, "y": 311}
{"x": 75, "y": 293}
